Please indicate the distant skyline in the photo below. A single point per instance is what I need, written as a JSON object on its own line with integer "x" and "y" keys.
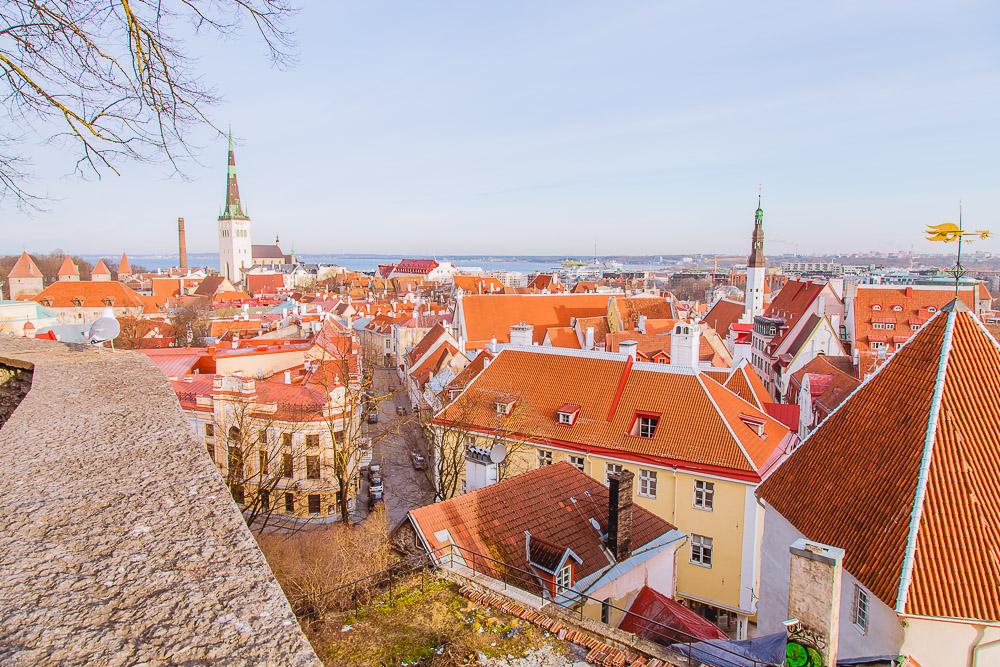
{"x": 451, "y": 129}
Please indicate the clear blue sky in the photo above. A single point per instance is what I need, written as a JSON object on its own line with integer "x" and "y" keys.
{"x": 538, "y": 127}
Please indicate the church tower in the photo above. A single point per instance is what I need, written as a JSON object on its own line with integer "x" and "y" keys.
{"x": 235, "y": 244}
{"x": 756, "y": 267}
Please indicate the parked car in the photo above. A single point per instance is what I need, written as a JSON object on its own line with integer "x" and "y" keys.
{"x": 373, "y": 417}
{"x": 374, "y": 469}
{"x": 374, "y": 499}
{"x": 418, "y": 460}
{"x": 400, "y": 409}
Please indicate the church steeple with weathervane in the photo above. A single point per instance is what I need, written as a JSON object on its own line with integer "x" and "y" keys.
{"x": 235, "y": 244}
{"x": 756, "y": 269}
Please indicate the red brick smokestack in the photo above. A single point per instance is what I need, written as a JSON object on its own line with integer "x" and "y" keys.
{"x": 182, "y": 243}
{"x": 620, "y": 514}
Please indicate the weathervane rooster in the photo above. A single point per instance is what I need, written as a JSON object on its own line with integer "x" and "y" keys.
{"x": 949, "y": 232}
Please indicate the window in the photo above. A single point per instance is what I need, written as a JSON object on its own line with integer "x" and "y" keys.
{"x": 647, "y": 483}
{"x": 262, "y": 461}
{"x": 565, "y": 418}
{"x": 314, "y": 503}
{"x": 312, "y": 440}
{"x": 265, "y": 500}
{"x": 876, "y": 307}
{"x": 704, "y": 494}
{"x": 897, "y": 308}
{"x": 211, "y": 451}
{"x": 606, "y": 611}
{"x": 289, "y": 502}
{"x": 932, "y": 309}
{"x": 645, "y": 426}
{"x": 209, "y": 430}
{"x": 859, "y": 609}
{"x": 286, "y": 439}
{"x": 287, "y": 468}
{"x": 544, "y": 458}
{"x": 610, "y": 468}
{"x": 312, "y": 467}
{"x": 504, "y": 407}
{"x": 701, "y": 550}
{"x": 338, "y": 438}
{"x": 262, "y": 437}
{"x": 577, "y": 462}
{"x": 237, "y": 490}
{"x": 915, "y": 327}
{"x": 564, "y": 579}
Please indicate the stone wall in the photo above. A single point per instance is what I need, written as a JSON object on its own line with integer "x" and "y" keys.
{"x": 119, "y": 542}
{"x": 15, "y": 381}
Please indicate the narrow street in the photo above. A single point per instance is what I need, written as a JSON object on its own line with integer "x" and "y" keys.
{"x": 405, "y": 487}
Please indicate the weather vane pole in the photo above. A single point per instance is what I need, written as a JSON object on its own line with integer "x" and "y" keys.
{"x": 949, "y": 232}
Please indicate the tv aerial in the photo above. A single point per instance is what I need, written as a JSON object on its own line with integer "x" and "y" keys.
{"x": 498, "y": 452}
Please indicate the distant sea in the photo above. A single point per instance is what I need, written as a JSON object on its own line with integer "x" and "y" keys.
{"x": 359, "y": 262}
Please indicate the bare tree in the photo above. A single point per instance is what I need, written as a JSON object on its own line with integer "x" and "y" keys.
{"x": 113, "y": 76}
{"x": 191, "y": 325}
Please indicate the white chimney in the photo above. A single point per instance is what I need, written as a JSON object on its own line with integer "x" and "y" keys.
{"x": 589, "y": 338}
{"x": 641, "y": 326}
{"x": 685, "y": 345}
{"x": 288, "y": 377}
{"x": 628, "y": 347}
{"x": 521, "y": 334}
{"x": 493, "y": 345}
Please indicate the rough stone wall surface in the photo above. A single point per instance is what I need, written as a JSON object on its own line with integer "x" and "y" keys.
{"x": 14, "y": 385}
{"x": 119, "y": 543}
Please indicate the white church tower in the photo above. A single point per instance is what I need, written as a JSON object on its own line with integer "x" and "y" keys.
{"x": 235, "y": 244}
{"x": 753, "y": 304}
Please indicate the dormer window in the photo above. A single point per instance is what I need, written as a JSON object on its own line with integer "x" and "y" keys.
{"x": 755, "y": 423}
{"x": 566, "y": 415}
{"x": 77, "y": 301}
{"x": 505, "y": 407}
{"x": 932, "y": 309}
{"x": 108, "y": 301}
{"x": 876, "y": 307}
{"x": 644, "y": 425}
{"x": 564, "y": 579}
{"x": 897, "y": 309}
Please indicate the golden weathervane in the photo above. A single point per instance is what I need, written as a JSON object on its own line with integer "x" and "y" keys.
{"x": 949, "y": 232}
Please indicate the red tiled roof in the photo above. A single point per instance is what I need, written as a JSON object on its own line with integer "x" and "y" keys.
{"x": 554, "y": 503}
{"x": 745, "y": 382}
{"x": 479, "y": 284}
{"x": 88, "y": 294}
{"x": 424, "y": 344}
{"x": 124, "y": 268}
{"x": 563, "y": 337}
{"x": 68, "y": 268}
{"x": 930, "y": 413}
{"x": 25, "y": 267}
{"x": 489, "y": 315}
{"x": 700, "y": 425}
{"x": 265, "y": 283}
{"x": 723, "y": 314}
{"x": 913, "y": 302}
{"x": 101, "y": 269}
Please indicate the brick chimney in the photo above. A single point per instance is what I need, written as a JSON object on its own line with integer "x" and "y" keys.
{"x": 182, "y": 243}
{"x": 814, "y": 583}
{"x": 620, "y": 514}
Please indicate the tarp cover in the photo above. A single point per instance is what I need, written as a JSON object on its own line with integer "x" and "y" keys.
{"x": 682, "y": 624}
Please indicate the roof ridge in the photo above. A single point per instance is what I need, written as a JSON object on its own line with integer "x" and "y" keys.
{"x": 718, "y": 410}
{"x": 906, "y": 570}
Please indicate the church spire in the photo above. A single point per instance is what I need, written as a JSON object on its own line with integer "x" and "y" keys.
{"x": 233, "y": 209}
{"x": 756, "y": 257}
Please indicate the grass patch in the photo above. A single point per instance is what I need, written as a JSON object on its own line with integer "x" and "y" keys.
{"x": 432, "y": 626}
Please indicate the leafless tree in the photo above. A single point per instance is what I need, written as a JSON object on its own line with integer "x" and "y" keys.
{"x": 113, "y": 78}
{"x": 191, "y": 325}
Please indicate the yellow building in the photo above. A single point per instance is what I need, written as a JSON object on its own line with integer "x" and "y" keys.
{"x": 697, "y": 442}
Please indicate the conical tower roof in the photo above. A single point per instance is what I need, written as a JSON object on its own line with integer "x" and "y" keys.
{"x": 124, "y": 268}
{"x": 25, "y": 267}
{"x": 904, "y": 475}
{"x": 68, "y": 268}
{"x": 101, "y": 269}
{"x": 233, "y": 209}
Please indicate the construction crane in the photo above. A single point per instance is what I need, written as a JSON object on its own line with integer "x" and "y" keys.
{"x": 726, "y": 259}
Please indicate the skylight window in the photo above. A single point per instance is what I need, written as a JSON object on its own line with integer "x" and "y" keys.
{"x": 644, "y": 425}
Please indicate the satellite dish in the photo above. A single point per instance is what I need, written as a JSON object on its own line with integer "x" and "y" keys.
{"x": 498, "y": 452}
{"x": 105, "y": 328}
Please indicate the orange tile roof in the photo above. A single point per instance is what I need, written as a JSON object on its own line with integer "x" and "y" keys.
{"x": 489, "y": 315}
{"x": 554, "y": 503}
{"x": 902, "y": 306}
{"x": 745, "y": 382}
{"x": 563, "y": 337}
{"x": 220, "y": 327}
{"x": 658, "y": 344}
{"x": 25, "y": 267}
{"x": 470, "y": 372}
{"x": 700, "y": 420}
{"x": 124, "y": 268}
{"x": 426, "y": 343}
{"x": 904, "y": 475}
{"x": 68, "y": 268}
{"x": 630, "y": 308}
{"x": 479, "y": 284}
{"x": 91, "y": 294}
{"x": 101, "y": 269}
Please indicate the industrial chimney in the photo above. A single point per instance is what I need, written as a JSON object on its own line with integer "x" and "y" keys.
{"x": 182, "y": 243}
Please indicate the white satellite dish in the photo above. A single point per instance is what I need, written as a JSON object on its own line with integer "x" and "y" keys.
{"x": 498, "y": 452}
{"x": 105, "y": 328}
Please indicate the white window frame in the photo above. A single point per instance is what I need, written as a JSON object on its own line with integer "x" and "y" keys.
{"x": 610, "y": 468}
{"x": 564, "y": 579}
{"x": 643, "y": 422}
{"x": 647, "y": 483}
{"x": 701, "y": 550}
{"x": 577, "y": 462}
{"x": 704, "y": 495}
{"x": 565, "y": 418}
{"x": 860, "y": 609}
{"x": 544, "y": 457}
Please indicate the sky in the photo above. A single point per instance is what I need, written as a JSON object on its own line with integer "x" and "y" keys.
{"x": 439, "y": 128}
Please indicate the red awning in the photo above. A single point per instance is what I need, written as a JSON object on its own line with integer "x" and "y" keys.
{"x": 656, "y": 617}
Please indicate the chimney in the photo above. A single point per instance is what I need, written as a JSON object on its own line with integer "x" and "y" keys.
{"x": 521, "y": 334}
{"x": 288, "y": 377}
{"x": 590, "y": 338}
{"x": 685, "y": 345}
{"x": 814, "y": 580}
{"x": 641, "y": 326}
{"x": 628, "y": 347}
{"x": 620, "y": 514}
{"x": 182, "y": 243}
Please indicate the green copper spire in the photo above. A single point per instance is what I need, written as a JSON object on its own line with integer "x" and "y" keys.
{"x": 756, "y": 257}
{"x": 232, "y": 210}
